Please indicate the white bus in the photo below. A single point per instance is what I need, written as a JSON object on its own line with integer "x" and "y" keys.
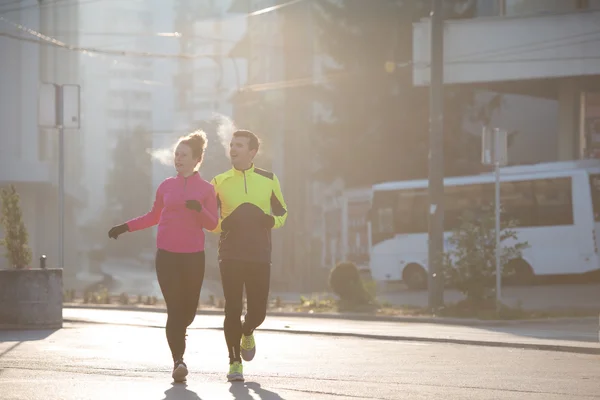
{"x": 557, "y": 206}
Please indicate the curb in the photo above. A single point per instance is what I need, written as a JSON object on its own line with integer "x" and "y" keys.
{"x": 354, "y": 316}
{"x": 395, "y": 338}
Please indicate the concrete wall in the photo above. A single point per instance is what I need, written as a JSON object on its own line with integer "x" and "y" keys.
{"x": 31, "y": 299}
{"x": 499, "y": 49}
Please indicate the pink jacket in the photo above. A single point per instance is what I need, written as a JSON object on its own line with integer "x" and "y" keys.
{"x": 180, "y": 230}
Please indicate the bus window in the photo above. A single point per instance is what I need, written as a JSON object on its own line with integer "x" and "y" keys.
{"x": 554, "y": 204}
{"x": 462, "y": 201}
{"x": 410, "y": 214}
{"x": 382, "y": 216}
{"x": 518, "y": 202}
{"x": 595, "y": 188}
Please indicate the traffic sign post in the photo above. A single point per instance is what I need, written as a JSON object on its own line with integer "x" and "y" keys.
{"x": 494, "y": 151}
{"x": 59, "y": 108}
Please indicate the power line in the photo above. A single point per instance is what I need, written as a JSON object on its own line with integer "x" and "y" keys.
{"x": 175, "y": 35}
{"x": 10, "y": 3}
{"x": 90, "y": 50}
{"x": 54, "y": 4}
{"x": 531, "y": 46}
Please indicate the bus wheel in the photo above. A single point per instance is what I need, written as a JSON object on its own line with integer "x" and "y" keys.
{"x": 520, "y": 273}
{"x": 415, "y": 277}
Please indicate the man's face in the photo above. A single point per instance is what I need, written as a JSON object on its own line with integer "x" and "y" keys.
{"x": 240, "y": 153}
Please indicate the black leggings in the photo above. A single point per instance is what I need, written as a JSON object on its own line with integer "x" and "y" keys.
{"x": 180, "y": 277}
{"x": 256, "y": 278}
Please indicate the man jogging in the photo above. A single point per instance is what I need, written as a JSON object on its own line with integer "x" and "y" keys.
{"x": 251, "y": 204}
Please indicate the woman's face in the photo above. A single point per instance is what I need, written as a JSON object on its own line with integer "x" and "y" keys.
{"x": 184, "y": 161}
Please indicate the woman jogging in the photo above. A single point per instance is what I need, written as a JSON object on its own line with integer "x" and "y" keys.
{"x": 184, "y": 205}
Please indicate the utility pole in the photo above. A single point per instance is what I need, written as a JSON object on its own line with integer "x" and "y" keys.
{"x": 60, "y": 122}
{"x": 436, "y": 158}
{"x": 58, "y": 108}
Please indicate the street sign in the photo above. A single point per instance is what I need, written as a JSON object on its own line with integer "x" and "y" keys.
{"x": 494, "y": 146}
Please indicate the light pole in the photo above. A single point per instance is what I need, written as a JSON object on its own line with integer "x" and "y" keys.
{"x": 58, "y": 108}
{"x": 436, "y": 158}
{"x": 495, "y": 152}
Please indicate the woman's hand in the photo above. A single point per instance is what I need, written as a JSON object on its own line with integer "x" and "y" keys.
{"x": 115, "y": 231}
{"x": 193, "y": 205}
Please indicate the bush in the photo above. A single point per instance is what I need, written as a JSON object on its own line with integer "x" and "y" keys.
{"x": 346, "y": 283}
{"x": 124, "y": 299}
{"x": 470, "y": 262}
{"x": 16, "y": 238}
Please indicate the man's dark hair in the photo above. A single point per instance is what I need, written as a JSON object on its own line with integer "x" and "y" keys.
{"x": 253, "y": 141}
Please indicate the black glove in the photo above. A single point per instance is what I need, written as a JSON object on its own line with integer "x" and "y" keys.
{"x": 268, "y": 221}
{"x": 115, "y": 231}
{"x": 193, "y": 205}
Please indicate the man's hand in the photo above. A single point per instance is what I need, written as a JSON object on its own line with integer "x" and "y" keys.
{"x": 268, "y": 221}
{"x": 193, "y": 205}
{"x": 115, "y": 231}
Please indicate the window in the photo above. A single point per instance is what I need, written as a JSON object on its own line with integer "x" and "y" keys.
{"x": 464, "y": 199}
{"x": 518, "y": 202}
{"x": 382, "y": 216}
{"x": 595, "y": 188}
{"x": 554, "y": 203}
{"x": 528, "y": 7}
{"x": 487, "y": 8}
{"x": 410, "y": 213}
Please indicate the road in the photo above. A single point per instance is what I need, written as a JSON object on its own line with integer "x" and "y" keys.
{"x": 116, "y": 361}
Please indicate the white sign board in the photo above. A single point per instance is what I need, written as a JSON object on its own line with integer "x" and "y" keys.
{"x": 494, "y": 146}
{"x": 47, "y": 102}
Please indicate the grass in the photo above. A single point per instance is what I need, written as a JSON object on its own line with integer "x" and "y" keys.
{"x": 328, "y": 304}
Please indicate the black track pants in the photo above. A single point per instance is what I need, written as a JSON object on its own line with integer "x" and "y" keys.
{"x": 180, "y": 276}
{"x": 255, "y": 277}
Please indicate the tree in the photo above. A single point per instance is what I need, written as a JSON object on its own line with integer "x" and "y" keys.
{"x": 16, "y": 237}
{"x": 376, "y": 114}
{"x": 470, "y": 262}
{"x": 129, "y": 190}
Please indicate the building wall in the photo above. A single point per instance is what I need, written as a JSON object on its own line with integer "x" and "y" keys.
{"x": 30, "y": 154}
{"x": 501, "y": 49}
{"x": 117, "y": 92}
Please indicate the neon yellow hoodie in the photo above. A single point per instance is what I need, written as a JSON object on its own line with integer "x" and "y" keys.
{"x": 251, "y": 204}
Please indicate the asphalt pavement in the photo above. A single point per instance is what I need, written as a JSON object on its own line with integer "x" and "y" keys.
{"x": 89, "y": 361}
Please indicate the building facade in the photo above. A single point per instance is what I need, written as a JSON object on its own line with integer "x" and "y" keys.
{"x": 545, "y": 51}
{"x": 116, "y": 91}
{"x": 28, "y": 153}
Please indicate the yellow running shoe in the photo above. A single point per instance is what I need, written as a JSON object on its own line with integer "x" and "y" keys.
{"x": 248, "y": 347}
{"x": 236, "y": 372}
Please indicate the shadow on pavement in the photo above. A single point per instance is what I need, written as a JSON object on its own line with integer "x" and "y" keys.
{"x": 25, "y": 335}
{"x": 240, "y": 391}
{"x": 179, "y": 391}
{"x": 20, "y": 336}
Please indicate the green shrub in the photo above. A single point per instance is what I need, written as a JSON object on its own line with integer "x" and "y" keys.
{"x": 16, "y": 237}
{"x": 470, "y": 261}
{"x": 346, "y": 283}
{"x": 124, "y": 299}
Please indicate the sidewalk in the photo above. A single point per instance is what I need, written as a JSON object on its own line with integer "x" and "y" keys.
{"x": 347, "y": 316}
{"x": 578, "y": 337}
